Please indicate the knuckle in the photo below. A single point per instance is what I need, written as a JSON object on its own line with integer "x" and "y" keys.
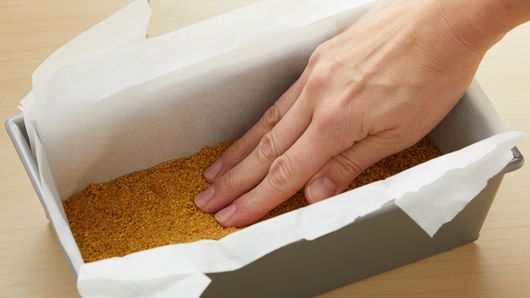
{"x": 348, "y": 165}
{"x": 271, "y": 117}
{"x": 317, "y": 55}
{"x": 320, "y": 76}
{"x": 406, "y": 137}
{"x": 227, "y": 182}
{"x": 337, "y": 125}
{"x": 327, "y": 122}
{"x": 280, "y": 173}
{"x": 267, "y": 149}
{"x": 361, "y": 77}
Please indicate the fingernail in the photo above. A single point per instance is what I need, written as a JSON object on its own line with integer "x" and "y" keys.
{"x": 321, "y": 188}
{"x": 213, "y": 170}
{"x": 204, "y": 197}
{"x": 224, "y": 215}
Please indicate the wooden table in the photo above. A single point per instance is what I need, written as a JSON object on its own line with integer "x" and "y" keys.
{"x": 32, "y": 264}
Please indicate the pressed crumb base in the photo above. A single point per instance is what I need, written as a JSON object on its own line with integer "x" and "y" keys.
{"x": 154, "y": 207}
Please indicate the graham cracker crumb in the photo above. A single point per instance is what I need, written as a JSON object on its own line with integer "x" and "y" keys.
{"x": 154, "y": 207}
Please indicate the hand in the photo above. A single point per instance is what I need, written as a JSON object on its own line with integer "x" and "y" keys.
{"x": 371, "y": 91}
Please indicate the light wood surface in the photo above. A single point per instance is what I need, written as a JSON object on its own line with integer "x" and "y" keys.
{"x": 32, "y": 264}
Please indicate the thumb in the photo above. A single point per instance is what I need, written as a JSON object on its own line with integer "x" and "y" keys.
{"x": 337, "y": 174}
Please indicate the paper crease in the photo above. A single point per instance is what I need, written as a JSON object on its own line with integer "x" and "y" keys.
{"x": 130, "y": 103}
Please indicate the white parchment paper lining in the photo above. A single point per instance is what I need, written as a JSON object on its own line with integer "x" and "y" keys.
{"x": 78, "y": 118}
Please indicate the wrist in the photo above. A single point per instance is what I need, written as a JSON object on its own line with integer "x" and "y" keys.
{"x": 479, "y": 24}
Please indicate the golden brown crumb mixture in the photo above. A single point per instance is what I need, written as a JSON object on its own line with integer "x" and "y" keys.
{"x": 154, "y": 207}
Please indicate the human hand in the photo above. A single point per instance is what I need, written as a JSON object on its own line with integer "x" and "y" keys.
{"x": 371, "y": 91}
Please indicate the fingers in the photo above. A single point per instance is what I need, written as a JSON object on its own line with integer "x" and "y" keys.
{"x": 287, "y": 174}
{"x": 249, "y": 172}
{"x": 244, "y": 145}
{"x": 337, "y": 174}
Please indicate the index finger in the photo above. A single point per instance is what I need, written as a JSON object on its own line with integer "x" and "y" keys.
{"x": 246, "y": 144}
{"x": 287, "y": 175}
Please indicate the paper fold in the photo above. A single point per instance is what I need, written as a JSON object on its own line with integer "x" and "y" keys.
{"x": 477, "y": 163}
{"x": 94, "y": 93}
{"x": 127, "y": 26}
{"x": 111, "y": 102}
{"x": 439, "y": 202}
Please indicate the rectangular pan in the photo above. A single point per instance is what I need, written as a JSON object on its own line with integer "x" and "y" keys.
{"x": 378, "y": 242}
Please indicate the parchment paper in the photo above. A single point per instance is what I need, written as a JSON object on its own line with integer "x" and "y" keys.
{"x": 110, "y": 102}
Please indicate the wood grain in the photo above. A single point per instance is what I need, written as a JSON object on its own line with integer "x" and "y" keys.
{"x": 32, "y": 264}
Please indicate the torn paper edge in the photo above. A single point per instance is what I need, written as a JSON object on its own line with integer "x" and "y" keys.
{"x": 232, "y": 259}
{"x": 239, "y": 249}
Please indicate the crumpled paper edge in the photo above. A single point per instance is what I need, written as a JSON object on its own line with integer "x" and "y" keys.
{"x": 239, "y": 249}
{"x": 424, "y": 205}
{"x": 190, "y": 278}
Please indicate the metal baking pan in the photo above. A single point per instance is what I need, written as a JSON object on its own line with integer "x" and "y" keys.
{"x": 373, "y": 244}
